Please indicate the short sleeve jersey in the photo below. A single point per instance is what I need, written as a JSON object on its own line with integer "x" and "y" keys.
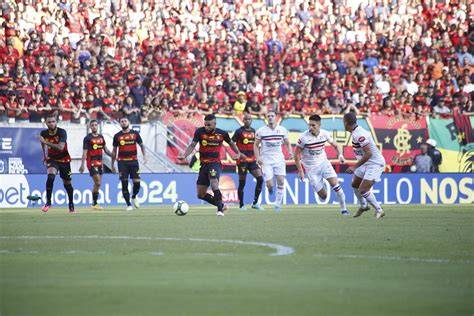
{"x": 362, "y": 138}
{"x": 127, "y": 145}
{"x": 245, "y": 139}
{"x": 210, "y": 144}
{"x": 313, "y": 152}
{"x": 60, "y": 136}
{"x": 95, "y": 148}
{"x": 271, "y": 142}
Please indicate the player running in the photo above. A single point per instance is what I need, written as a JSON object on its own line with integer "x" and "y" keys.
{"x": 126, "y": 142}
{"x": 269, "y": 155}
{"x": 210, "y": 141}
{"x": 244, "y": 137}
{"x": 310, "y": 151}
{"x": 368, "y": 168}
{"x": 57, "y": 159}
{"x": 93, "y": 148}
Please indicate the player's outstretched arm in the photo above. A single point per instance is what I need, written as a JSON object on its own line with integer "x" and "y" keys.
{"x": 363, "y": 160}
{"x": 338, "y": 149}
{"x": 256, "y": 149}
{"x": 188, "y": 151}
{"x": 59, "y": 146}
{"x": 288, "y": 148}
{"x": 237, "y": 151}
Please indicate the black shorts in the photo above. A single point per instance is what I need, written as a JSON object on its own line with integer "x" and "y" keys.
{"x": 244, "y": 166}
{"x": 209, "y": 171}
{"x": 95, "y": 170}
{"x": 129, "y": 168}
{"x": 64, "y": 168}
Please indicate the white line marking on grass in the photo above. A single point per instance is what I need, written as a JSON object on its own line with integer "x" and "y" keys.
{"x": 159, "y": 253}
{"x": 280, "y": 250}
{"x": 392, "y": 258}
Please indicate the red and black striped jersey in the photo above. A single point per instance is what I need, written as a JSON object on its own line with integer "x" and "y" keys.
{"x": 60, "y": 136}
{"x": 127, "y": 145}
{"x": 210, "y": 144}
{"x": 245, "y": 139}
{"x": 95, "y": 147}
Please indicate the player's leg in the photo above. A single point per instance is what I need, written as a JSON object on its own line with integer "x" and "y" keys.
{"x": 372, "y": 175}
{"x": 280, "y": 172}
{"x": 65, "y": 173}
{"x": 242, "y": 170}
{"x": 341, "y": 197}
{"x": 202, "y": 184}
{"x": 124, "y": 172}
{"x": 51, "y": 175}
{"x": 257, "y": 173}
{"x": 96, "y": 173}
{"x": 135, "y": 176}
{"x": 213, "y": 175}
{"x": 267, "y": 170}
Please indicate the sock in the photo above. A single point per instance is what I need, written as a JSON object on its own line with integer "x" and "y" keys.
{"x": 258, "y": 189}
{"x": 70, "y": 192}
{"x": 360, "y": 198}
{"x": 279, "y": 195}
{"x": 136, "y": 189}
{"x": 218, "y": 198}
{"x": 126, "y": 194}
{"x": 240, "y": 192}
{"x": 95, "y": 196}
{"x": 209, "y": 199}
{"x": 49, "y": 187}
{"x": 340, "y": 196}
{"x": 370, "y": 197}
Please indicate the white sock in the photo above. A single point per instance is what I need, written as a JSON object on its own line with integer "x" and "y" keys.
{"x": 370, "y": 197}
{"x": 340, "y": 196}
{"x": 279, "y": 196}
{"x": 362, "y": 200}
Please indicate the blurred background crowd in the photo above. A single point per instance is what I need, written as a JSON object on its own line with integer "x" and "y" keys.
{"x": 111, "y": 58}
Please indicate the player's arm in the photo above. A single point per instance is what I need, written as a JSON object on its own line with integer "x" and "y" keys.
{"x": 234, "y": 147}
{"x": 114, "y": 157}
{"x": 188, "y": 150}
{"x": 288, "y": 147}
{"x": 297, "y": 157}
{"x": 365, "y": 157}
{"x": 83, "y": 160}
{"x": 256, "y": 149}
{"x": 59, "y": 146}
{"x": 142, "y": 146}
{"x": 338, "y": 149}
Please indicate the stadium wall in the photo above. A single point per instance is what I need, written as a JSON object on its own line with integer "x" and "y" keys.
{"x": 158, "y": 189}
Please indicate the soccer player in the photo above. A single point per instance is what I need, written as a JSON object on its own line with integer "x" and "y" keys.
{"x": 369, "y": 167}
{"x": 57, "y": 159}
{"x": 125, "y": 152}
{"x": 210, "y": 141}
{"x": 310, "y": 152}
{"x": 244, "y": 137}
{"x": 92, "y": 150}
{"x": 269, "y": 155}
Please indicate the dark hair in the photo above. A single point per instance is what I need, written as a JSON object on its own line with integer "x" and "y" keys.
{"x": 315, "y": 117}
{"x": 350, "y": 118}
{"x": 272, "y": 111}
{"x": 209, "y": 117}
{"x": 93, "y": 121}
{"x": 52, "y": 116}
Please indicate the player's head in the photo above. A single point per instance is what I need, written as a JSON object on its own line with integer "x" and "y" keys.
{"x": 247, "y": 120}
{"x": 51, "y": 122}
{"x": 124, "y": 123}
{"x": 210, "y": 122}
{"x": 94, "y": 126}
{"x": 350, "y": 120}
{"x": 314, "y": 123}
{"x": 271, "y": 117}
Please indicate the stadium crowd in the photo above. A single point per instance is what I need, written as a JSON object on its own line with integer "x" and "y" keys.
{"x": 111, "y": 58}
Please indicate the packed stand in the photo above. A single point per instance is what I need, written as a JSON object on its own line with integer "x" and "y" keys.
{"x": 141, "y": 59}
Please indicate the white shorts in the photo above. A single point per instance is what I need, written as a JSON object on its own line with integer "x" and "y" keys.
{"x": 369, "y": 172}
{"x": 273, "y": 169}
{"x": 317, "y": 174}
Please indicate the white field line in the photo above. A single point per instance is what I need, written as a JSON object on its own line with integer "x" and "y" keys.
{"x": 391, "y": 258}
{"x": 280, "y": 250}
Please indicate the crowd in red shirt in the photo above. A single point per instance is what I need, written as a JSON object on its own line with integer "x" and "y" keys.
{"x": 111, "y": 58}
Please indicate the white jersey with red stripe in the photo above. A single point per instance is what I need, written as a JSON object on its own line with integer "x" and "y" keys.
{"x": 313, "y": 152}
{"x": 362, "y": 138}
{"x": 272, "y": 140}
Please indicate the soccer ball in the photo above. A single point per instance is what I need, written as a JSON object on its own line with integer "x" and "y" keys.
{"x": 181, "y": 208}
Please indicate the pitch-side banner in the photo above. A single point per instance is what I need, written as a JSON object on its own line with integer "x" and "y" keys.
{"x": 159, "y": 189}
{"x": 20, "y": 151}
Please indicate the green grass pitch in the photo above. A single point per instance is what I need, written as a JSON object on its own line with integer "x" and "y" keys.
{"x": 418, "y": 260}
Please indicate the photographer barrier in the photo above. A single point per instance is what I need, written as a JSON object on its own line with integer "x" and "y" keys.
{"x": 159, "y": 189}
